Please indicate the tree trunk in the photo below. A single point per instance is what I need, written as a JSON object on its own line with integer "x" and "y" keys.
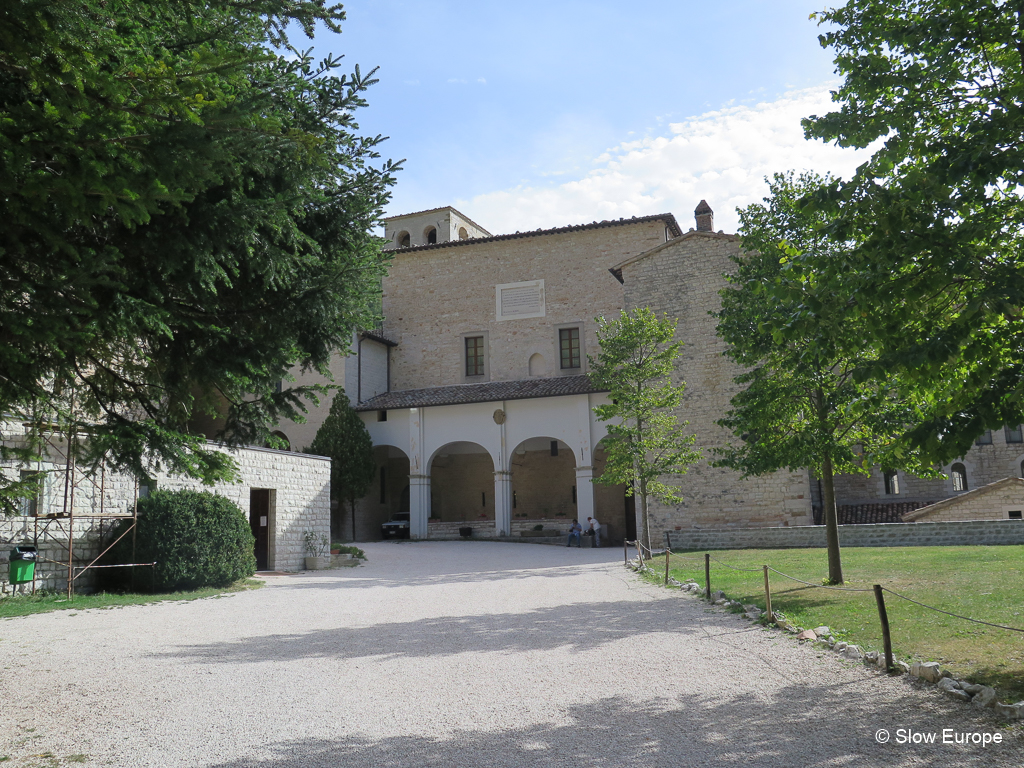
{"x": 828, "y": 503}
{"x": 353, "y": 508}
{"x": 645, "y": 522}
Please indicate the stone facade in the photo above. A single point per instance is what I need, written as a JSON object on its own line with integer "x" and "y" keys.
{"x": 1001, "y": 500}
{"x": 414, "y": 229}
{"x": 299, "y": 488}
{"x": 682, "y": 279}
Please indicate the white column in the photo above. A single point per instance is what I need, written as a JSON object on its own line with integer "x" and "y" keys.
{"x": 419, "y": 505}
{"x": 502, "y": 503}
{"x": 584, "y": 494}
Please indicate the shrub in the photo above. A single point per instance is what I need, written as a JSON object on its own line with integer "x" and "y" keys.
{"x": 196, "y": 538}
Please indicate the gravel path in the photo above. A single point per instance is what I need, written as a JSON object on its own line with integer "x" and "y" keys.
{"x": 459, "y": 655}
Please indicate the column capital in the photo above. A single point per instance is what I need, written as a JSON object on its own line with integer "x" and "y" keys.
{"x": 502, "y": 474}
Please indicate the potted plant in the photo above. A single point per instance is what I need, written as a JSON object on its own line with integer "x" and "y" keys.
{"x": 317, "y": 548}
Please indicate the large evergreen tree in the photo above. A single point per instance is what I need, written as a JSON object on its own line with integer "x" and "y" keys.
{"x": 186, "y": 212}
{"x": 937, "y": 278}
{"x": 343, "y": 437}
{"x": 646, "y": 443}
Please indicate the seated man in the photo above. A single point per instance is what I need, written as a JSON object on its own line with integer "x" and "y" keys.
{"x": 574, "y": 531}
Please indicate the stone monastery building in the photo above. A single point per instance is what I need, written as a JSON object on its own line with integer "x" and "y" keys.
{"x": 475, "y": 388}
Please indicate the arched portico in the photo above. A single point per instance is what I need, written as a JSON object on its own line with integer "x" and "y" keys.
{"x": 388, "y": 494}
{"x": 462, "y": 484}
{"x": 543, "y": 477}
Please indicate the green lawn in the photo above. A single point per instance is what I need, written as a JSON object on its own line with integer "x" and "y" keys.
{"x": 24, "y": 605}
{"x": 985, "y": 583}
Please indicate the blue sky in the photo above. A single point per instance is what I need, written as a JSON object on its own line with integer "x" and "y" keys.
{"x": 541, "y": 114}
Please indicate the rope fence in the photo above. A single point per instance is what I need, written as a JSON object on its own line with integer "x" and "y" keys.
{"x": 877, "y": 589}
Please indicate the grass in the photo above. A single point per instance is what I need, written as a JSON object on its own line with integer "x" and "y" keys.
{"x": 985, "y": 583}
{"x": 44, "y": 602}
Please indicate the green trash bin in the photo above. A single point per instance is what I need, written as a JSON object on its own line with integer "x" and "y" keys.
{"x": 23, "y": 565}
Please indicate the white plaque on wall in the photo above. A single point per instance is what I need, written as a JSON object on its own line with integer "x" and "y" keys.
{"x": 515, "y": 301}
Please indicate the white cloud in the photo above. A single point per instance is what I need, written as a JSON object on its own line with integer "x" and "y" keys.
{"x": 720, "y": 156}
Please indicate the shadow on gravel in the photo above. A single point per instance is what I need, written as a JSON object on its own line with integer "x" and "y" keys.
{"x": 580, "y": 625}
{"x": 801, "y": 727}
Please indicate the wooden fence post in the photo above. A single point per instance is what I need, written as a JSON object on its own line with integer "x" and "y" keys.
{"x": 768, "y": 597}
{"x": 625, "y": 551}
{"x": 707, "y": 574}
{"x": 884, "y": 618}
{"x": 667, "y": 552}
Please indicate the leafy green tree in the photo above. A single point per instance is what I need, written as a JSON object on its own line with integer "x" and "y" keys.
{"x": 804, "y": 402}
{"x": 645, "y": 443}
{"x": 936, "y": 280}
{"x": 187, "y": 212}
{"x": 344, "y": 438}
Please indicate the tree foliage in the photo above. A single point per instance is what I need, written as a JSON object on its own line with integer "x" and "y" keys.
{"x": 646, "y": 443}
{"x": 936, "y": 280}
{"x": 344, "y": 438}
{"x": 804, "y": 402}
{"x": 187, "y": 209}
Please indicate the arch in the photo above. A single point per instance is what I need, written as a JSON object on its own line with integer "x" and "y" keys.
{"x": 543, "y": 480}
{"x": 463, "y": 234}
{"x": 538, "y": 366}
{"x": 461, "y": 483}
{"x": 403, "y": 239}
{"x": 958, "y": 474}
{"x": 384, "y": 498}
{"x": 430, "y": 235}
{"x": 611, "y": 504}
{"x": 281, "y": 436}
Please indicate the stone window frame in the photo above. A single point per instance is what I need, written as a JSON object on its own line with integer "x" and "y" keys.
{"x": 958, "y": 477}
{"x": 407, "y": 236}
{"x": 486, "y": 375}
{"x": 558, "y": 369}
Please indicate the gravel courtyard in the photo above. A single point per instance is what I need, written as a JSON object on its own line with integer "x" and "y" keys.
{"x": 455, "y": 654}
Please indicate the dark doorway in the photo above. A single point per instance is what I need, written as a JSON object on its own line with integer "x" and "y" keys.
{"x": 259, "y": 522}
{"x": 631, "y": 518}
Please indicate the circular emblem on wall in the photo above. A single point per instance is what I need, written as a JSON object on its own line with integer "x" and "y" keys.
{"x": 499, "y": 416}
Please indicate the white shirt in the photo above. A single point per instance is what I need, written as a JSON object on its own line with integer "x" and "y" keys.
{"x": 594, "y": 525}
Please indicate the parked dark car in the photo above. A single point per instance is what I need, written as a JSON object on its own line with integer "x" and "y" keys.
{"x": 397, "y": 527}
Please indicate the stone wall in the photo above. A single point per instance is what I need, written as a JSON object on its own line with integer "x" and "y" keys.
{"x": 943, "y": 534}
{"x": 433, "y": 298}
{"x": 682, "y": 279}
{"x": 300, "y": 502}
{"x": 992, "y": 502}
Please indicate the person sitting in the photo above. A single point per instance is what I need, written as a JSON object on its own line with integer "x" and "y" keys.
{"x": 574, "y": 532}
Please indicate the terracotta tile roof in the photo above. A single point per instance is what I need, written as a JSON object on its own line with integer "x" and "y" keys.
{"x": 864, "y": 514}
{"x": 379, "y": 337}
{"x": 486, "y": 392}
{"x": 668, "y": 218}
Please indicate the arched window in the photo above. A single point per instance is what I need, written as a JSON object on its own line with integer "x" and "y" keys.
{"x": 892, "y": 483}
{"x": 959, "y": 474}
{"x": 463, "y": 234}
{"x": 430, "y": 235}
{"x": 403, "y": 240}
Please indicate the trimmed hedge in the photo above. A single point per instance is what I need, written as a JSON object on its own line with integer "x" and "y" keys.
{"x": 196, "y": 538}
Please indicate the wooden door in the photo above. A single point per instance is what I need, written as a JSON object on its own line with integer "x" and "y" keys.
{"x": 259, "y": 522}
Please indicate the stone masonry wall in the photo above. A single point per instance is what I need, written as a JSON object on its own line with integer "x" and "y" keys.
{"x": 942, "y": 534}
{"x": 985, "y": 504}
{"x": 433, "y": 298}
{"x": 682, "y": 279}
{"x": 301, "y": 502}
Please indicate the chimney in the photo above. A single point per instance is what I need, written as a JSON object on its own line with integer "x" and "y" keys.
{"x": 705, "y": 217}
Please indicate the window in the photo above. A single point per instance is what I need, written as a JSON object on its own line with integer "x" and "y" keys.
{"x": 1013, "y": 434}
{"x": 892, "y": 483}
{"x": 985, "y": 439}
{"x": 474, "y": 355}
{"x": 403, "y": 240}
{"x": 1014, "y": 514}
{"x": 430, "y": 235}
{"x": 569, "y": 347}
{"x": 554, "y": 447}
{"x": 463, "y": 234}
{"x": 959, "y": 474}
{"x": 382, "y": 415}
{"x": 147, "y": 487}
{"x": 30, "y": 506}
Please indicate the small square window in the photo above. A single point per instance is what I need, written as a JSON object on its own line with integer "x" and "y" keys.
{"x": 474, "y": 355}
{"x": 569, "y": 347}
{"x": 382, "y": 415}
{"x": 1013, "y": 434}
{"x": 984, "y": 439}
{"x": 1014, "y": 514}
